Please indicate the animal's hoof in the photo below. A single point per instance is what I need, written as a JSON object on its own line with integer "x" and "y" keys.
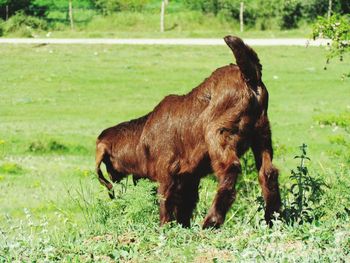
{"x": 111, "y": 194}
{"x": 212, "y": 221}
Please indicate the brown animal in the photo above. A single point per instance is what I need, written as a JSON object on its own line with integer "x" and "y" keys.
{"x": 189, "y": 136}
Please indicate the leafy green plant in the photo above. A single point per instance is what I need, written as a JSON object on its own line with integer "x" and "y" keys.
{"x": 291, "y": 13}
{"x": 23, "y": 25}
{"x": 336, "y": 28}
{"x": 11, "y": 168}
{"x": 342, "y": 119}
{"x": 110, "y": 6}
{"x": 54, "y": 146}
{"x": 303, "y": 198}
{"x": 338, "y": 139}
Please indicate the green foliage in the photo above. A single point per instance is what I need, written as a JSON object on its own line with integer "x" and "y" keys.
{"x": 288, "y": 13}
{"x": 268, "y": 11}
{"x": 204, "y": 6}
{"x": 302, "y": 200}
{"x": 111, "y": 6}
{"x": 291, "y": 13}
{"x": 265, "y": 14}
{"x": 54, "y": 146}
{"x": 11, "y": 168}
{"x": 341, "y": 119}
{"x": 336, "y": 28}
{"x": 132, "y": 203}
{"x": 14, "y": 6}
{"x": 24, "y": 25}
{"x": 226, "y": 8}
{"x": 311, "y": 9}
{"x": 338, "y": 139}
{"x": 248, "y": 164}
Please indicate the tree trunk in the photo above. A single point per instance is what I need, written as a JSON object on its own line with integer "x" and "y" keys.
{"x": 7, "y": 12}
{"x": 71, "y": 14}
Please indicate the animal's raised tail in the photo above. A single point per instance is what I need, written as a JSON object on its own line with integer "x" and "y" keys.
{"x": 247, "y": 60}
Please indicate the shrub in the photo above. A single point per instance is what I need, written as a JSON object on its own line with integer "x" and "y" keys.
{"x": 23, "y": 24}
{"x": 291, "y": 13}
{"x": 226, "y": 8}
{"x": 336, "y": 28}
{"x": 110, "y": 6}
{"x": 342, "y": 119}
{"x": 211, "y": 6}
{"x": 54, "y": 146}
{"x": 314, "y": 8}
{"x": 37, "y": 147}
{"x": 266, "y": 11}
{"x": 11, "y": 168}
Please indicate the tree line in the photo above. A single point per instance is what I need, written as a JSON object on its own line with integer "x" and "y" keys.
{"x": 287, "y": 13}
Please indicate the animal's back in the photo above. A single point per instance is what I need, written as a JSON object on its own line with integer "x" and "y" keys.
{"x": 173, "y": 139}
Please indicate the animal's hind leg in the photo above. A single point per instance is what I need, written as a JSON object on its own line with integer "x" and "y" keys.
{"x": 166, "y": 193}
{"x": 227, "y": 167}
{"x": 100, "y": 155}
{"x": 268, "y": 174}
{"x": 135, "y": 179}
{"x": 187, "y": 198}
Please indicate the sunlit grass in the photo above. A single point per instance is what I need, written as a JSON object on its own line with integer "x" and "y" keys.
{"x": 55, "y": 100}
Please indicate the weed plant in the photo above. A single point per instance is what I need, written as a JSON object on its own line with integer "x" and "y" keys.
{"x": 302, "y": 200}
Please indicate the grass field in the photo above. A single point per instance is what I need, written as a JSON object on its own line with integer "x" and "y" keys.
{"x": 55, "y": 100}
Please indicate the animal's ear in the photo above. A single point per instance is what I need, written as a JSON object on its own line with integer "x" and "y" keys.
{"x": 247, "y": 60}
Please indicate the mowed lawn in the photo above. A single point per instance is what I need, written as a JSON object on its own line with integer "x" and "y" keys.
{"x": 54, "y": 102}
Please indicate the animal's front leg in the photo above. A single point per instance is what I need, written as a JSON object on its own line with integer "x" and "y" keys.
{"x": 268, "y": 174}
{"x": 227, "y": 168}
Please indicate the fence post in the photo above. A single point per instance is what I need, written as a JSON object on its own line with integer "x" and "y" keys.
{"x": 241, "y": 15}
{"x": 162, "y": 11}
{"x": 329, "y": 9}
{"x": 7, "y": 12}
{"x": 71, "y": 14}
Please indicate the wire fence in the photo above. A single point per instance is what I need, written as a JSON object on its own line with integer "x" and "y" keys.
{"x": 81, "y": 15}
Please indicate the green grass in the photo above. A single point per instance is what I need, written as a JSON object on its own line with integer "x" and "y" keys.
{"x": 55, "y": 100}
